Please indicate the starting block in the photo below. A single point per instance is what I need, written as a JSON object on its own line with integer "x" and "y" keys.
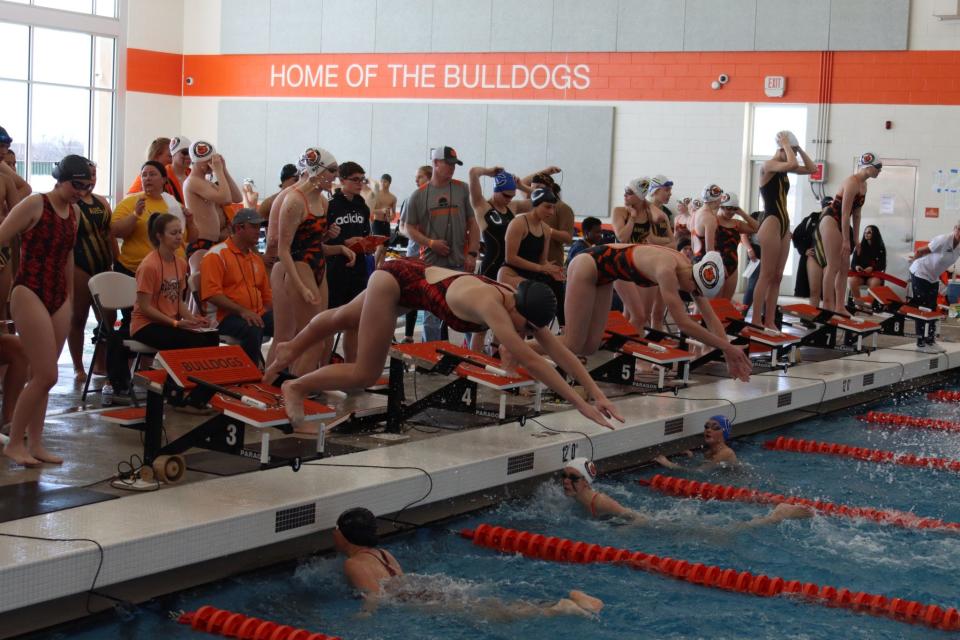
{"x": 224, "y": 379}
{"x": 622, "y": 338}
{"x": 886, "y": 301}
{"x": 826, "y": 324}
{"x": 471, "y": 369}
{"x": 779, "y": 348}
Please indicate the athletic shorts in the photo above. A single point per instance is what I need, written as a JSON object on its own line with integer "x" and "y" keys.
{"x": 380, "y": 228}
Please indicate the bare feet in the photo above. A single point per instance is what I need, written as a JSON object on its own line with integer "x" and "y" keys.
{"x": 587, "y": 602}
{"x": 79, "y": 376}
{"x": 293, "y": 404}
{"x": 283, "y": 355}
{"x": 579, "y": 604}
{"x": 41, "y": 454}
{"x": 20, "y": 455}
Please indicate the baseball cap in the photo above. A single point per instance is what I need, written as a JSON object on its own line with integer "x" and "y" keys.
{"x": 288, "y": 171}
{"x": 247, "y": 216}
{"x": 447, "y": 154}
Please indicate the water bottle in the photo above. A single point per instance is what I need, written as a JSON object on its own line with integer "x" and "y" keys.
{"x": 106, "y": 395}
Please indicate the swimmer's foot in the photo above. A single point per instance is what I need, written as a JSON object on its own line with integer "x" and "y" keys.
{"x": 79, "y": 376}
{"x": 587, "y": 602}
{"x": 293, "y": 403}
{"x": 20, "y": 455}
{"x": 283, "y": 355}
{"x": 41, "y": 454}
{"x": 578, "y": 604}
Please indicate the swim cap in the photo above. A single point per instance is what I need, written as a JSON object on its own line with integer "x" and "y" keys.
{"x": 712, "y": 193}
{"x": 584, "y": 467}
{"x": 201, "y": 150}
{"x": 725, "y": 426}
{"x": 178, "y": 144}
{"x": 826, "y": 202}
{"x": 869, "y": 159}
{"x": 658, "y": 182}
{"x": 536, "y": 302}
{"x": 686, "y": 200}
{"x": 315, "y": 160}
{"x": 288, "y": 171}
{"x": 5, "y": 137}
{"x": 543, "y": 195}
{"x": 696, "y": 203}
{"x": 72, "y": 167}
{"x": 709, "y": 274}
{"x": 638, "y": 187}
{"x": 729, "y": 199}
{"x": 504, "y": 181}
{"x": 790, "y": 137}
{"x": 359, "y": 527}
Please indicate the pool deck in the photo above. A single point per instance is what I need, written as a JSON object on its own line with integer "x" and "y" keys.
{"x": 208, "y": 527}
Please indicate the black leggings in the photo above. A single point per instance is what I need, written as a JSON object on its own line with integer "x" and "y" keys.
{"x": 162, "y": 337}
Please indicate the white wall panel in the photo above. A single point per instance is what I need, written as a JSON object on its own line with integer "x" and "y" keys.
{"x": 295, "y": 26}
{"x": 462, "y": 25}
{"x": 785, "y": 25}
{"x": 517, "y": 137}
{"x": 242, "y": 140}
{"x": 652, "y": 25}
{"x": 724, "y": 25}
{"x": 404, "y": 26}
{"x": 399, "y": 141}
{"x": 534, "y": 33}
{"x": 580, "y": 142}
{"x": 156, "y": 26}
{"x": 869, "y": 25}
{"x": 201, "y": 27}
{"x": 584, "y": 26}
{"x": 926, "y": 32}
{"x": 348, "y": 26}
{"x": 290, "y": 128}
{"x": 461, "y": 126}
{"x": 346, "y": 129}
{"x": 245, "y": 27}
{"x": 148, "y": 116}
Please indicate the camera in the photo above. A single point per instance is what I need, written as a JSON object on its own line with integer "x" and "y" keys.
{"x": 189, "y": 80}
{"x": 723, "y": 79}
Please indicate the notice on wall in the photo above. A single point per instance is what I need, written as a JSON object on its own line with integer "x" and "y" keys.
{"x": 951, "y": 199}
{"x": 931, "y": 212}
{"x": 887, "y": 201}
{"x": 939, "y": 180}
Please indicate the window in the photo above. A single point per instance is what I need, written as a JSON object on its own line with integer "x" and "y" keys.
{"x": 105, "y": 8}
{"x": 768, "y": 120}
{"x": 59, "y": 93}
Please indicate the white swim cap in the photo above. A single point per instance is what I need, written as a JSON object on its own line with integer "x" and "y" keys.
{"x": 178, "y": 144}
{"x": 201, "y": 150}
{"x": 709, "y": 274}
{"x": 869, "y": 159}
{"x": 729, "y": 199}
{"x": 315, "y": 160}
{"x": 790, "y": 137}
{"x": 712, "y": 193}
{"x": 638, "y": 187}
{"x": 584, "y": 467}
{"x": 658, "y": 182}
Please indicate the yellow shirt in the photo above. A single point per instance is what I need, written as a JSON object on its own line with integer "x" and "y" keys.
{"x": 135, "y": 247}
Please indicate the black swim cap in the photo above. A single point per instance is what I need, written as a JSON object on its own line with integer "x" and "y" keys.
{"x": 359, "y": 527}
{"x": 72, "y": 167}
{"x": 536, "y": 302}
{"x": 543, "y": 195}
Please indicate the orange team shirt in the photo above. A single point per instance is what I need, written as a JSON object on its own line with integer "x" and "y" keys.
{"x": 173, "y": 186}
{"x": 241, "y": 277}
{"x": 165, "y": 282}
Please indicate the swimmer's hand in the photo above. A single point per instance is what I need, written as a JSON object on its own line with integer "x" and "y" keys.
{"x": 608, "y": 409}
{"x": 738, "y": 363}
{"x": 593, "y": 413}
{"x": 663, "y": 462}
{"x": 308, "y": 295}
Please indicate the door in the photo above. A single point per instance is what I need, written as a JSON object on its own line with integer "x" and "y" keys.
{"x": 890, "y": 207}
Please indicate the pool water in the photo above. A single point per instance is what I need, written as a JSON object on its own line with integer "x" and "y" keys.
{"x": 855, "y": 554}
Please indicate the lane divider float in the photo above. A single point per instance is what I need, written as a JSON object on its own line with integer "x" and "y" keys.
{"x": 535, "y": 545}
{"x": 944, "y": 396}
{"x": 236, "y": 625}
{"x": 899, "y": 420}
{"x": 799, "y": 445}
{"x": 708, "y": 491}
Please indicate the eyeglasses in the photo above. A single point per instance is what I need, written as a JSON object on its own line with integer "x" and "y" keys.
{"x": 80, "y": 185}
{"x": 571, "y": 477}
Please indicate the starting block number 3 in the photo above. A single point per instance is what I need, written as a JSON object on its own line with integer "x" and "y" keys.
{"x": 231, "y": 438}
{"x": 569, "y": 452}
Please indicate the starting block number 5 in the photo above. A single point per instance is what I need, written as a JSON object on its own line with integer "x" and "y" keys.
{"x": 569, "y": 452}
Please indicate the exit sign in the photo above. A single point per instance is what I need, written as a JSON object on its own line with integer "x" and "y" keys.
{"x": 774, "y": 86}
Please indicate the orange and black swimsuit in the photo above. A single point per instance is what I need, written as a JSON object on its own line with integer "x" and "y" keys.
{"x": 307, "y": 243}
{"x": 617, "y": 264}
{"x": 726, "y": 241}
{"x": 835, "y": 210}
{"x": 44, "y": 249}
{"x": 417, "y": 293}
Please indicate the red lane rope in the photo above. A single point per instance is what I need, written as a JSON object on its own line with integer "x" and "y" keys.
{"x": 898, "y": 420}
{"x": 944, "y": 396}
{"x": 708, "y": 491}
{"x": 563, "y": 550}
{"x": 236, "y": 625}
{"x": 799, "y": 445}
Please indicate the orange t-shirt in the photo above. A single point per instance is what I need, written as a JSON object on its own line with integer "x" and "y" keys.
{"x": 173, "y": 186}
{"x": 241, "y": 277}
{"x": 165, "y": 282}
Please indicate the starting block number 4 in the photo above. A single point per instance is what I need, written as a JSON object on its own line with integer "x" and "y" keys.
{"x": 569, "y": 452}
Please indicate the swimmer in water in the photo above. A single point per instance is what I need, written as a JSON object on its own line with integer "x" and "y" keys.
{"x": 717, "y": 431}
{"x": 577, "y": 479}
{"x": 377, "y": 575}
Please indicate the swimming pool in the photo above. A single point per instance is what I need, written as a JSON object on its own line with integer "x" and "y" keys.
{"x": 856, "y": 554}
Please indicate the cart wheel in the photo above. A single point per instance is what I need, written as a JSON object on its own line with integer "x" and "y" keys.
{"x": 169, "y": 468}
{"x": 296, "y": 464}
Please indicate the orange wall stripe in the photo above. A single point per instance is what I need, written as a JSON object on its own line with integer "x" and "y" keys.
{"x": 154, "y": 72}
{"x": 886, "y": 77}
